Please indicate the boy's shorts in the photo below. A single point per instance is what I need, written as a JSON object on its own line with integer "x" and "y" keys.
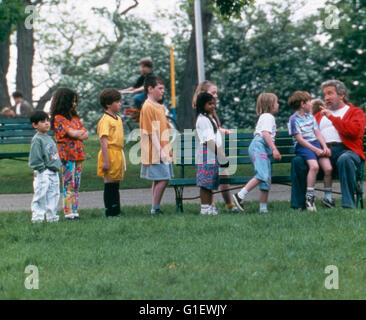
{"x": 116, "y": 162}
{"x": 306, "y": 153}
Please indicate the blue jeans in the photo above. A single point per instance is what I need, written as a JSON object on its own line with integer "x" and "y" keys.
{"x": 346, "y": 165}
{"x": 139, "y": 99}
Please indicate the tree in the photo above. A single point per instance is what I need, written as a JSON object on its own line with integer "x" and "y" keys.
{"x": 347, "y": 43}
{"x": 263, "y": 52}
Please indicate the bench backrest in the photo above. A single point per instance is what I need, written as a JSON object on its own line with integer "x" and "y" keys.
{"x": 16, "y": 131}
{"x": 236, "y": 146}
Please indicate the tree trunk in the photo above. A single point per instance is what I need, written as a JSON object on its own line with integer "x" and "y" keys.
{"x": 4, "y": 66}
{"x": 186, "y": 114}
{"x": 25, "y": 45}
{"x": 47, "y": 96}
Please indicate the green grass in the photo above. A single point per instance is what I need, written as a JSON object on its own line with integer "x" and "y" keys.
{"x": 16, "y": 177}
{"x": 281, "y": 255}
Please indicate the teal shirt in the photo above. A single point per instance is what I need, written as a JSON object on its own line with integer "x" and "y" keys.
{"x": 44, "y": 154}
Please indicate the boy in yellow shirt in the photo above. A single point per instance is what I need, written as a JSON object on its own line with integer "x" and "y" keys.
{"x": 156, "y": 151}
{"x": 111, "y": 160}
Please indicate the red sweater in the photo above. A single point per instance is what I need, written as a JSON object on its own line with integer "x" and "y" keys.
{"x": 351, "y": 128}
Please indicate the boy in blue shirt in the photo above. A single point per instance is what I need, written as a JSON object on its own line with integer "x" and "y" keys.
{"x": 310, "y": 144}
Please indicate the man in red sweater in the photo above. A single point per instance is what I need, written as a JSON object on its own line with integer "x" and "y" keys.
{"x": 343, "y": 126}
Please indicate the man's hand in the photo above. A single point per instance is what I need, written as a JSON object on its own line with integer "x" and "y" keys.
{"x": 276, "y": 154}
{"x": 325, "y": 112}
{"x": 225, "y": 131}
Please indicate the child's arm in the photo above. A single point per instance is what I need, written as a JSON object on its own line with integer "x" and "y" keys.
{"x": 308, "y": 145}
{"x": 77, "y": 134}
{"x": 268, "y": 139}
{"x": 321, "y": 140}
{"x": 36, "y": 161}
{"x": 219, "y": 151}
{"x": 156, "y": 143}
{"x": 104, "y": 147}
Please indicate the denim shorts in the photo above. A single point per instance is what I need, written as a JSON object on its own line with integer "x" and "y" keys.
{"x": 259, "y": 153}
{"x": 306, "y": 153}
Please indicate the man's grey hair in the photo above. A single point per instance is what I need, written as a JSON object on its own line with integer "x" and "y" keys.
{"x": 339, "y": 86}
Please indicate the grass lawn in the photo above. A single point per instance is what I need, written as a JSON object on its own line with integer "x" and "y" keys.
{"x": 16, "y": 177}
{"x": 281, "y": 255}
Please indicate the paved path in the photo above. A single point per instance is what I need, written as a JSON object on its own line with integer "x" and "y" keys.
{"x": 94, "y": 199}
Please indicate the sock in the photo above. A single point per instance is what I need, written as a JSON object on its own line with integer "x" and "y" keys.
{"x": 242, "y": 193}
{"x": 328, "y": 193}
{"x": 230, "y": 205}
{"x": 155, "y": 207}
{"x": 310, "y": 192}
{"x": 205, "y": 206}
{"x": 263, "y": 207}
{"x": 115, "y": 199}
{"x": 108, "y": 198}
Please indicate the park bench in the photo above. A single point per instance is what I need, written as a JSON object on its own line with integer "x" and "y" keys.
{"x": 237, "y": 144}
{"x": 15, "y": 131}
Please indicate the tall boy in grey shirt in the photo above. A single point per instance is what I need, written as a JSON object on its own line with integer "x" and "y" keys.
{"x": 45, "y": 162}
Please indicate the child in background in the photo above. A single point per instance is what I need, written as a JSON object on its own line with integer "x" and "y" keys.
{"x": 316, "y": 104}
{"x": 209, "y": 153}
{"x": 45, "y": 161}
{"x": 261, "y": 147}
{"x": 211, "y": 88}
{"x": 111, "y": 160}
{"x": 69, "y": 136}
{"x": 156, "y": 151}
{"x": 310, "y": 144}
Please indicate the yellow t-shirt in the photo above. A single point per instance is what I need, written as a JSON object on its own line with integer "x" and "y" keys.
{"x": 112, "y": 128}
{"x": 154, "y": 121}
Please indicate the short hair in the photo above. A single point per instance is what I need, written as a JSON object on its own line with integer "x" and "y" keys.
{"x": 108, "y": 96}
{"x": 152, "y": 80}
{"x": 146, "y": 62}
{"x": 38, "y": 116}
{"x": 202, "y": 87}
{"x": 339, "y": 86}
{"x": 265, "y": 103}
{"x": 317, "y": 103}
{"x": 17, "y": 94}
{"x": 297, "y": 97}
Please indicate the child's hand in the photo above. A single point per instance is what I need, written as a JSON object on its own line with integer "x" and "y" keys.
{"x": 327, "y": 152}
{"x": 319, "y": 152}
{"x": 84, "y": 136}
{"x": 225, "y": 131}
{"x": 276, "y": 154}
{"x": 106, "y": 166}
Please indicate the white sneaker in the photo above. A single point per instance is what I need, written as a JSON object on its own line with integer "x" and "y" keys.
{"x": 213, "y": 211}
{"x": 72, "y": 216}
{"x": 53, "y": 219}
{"x": 205, "y": 211}
{"x": 234, "y": 209}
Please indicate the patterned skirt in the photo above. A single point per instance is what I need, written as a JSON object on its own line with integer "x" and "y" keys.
{"x": 207, "y": 169}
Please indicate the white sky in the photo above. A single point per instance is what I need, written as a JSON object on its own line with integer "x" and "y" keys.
{"x": 146, "y": 9}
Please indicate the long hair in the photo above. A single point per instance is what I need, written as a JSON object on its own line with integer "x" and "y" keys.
{"x": 202, "y": 99}
{"x": 202, "y": 87}
{"x": 62, "y": 104}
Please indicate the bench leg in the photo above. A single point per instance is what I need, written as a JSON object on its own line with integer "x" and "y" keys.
{"x": 178, "y": 198}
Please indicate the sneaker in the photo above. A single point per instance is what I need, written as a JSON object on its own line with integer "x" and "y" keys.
{"x": 158, "y": 211}
{"x": 71, "y": 216}
{"x": 239, "y": 202}
{"x": 53, "y": 219}
{"x": 310, "y": 203}
{"x": 328, "y": 203}
{"x": 213, "y": 211}
{"x": 234, "y": 209}
{"x": 206, "y": 211}
{"x": 263, "y": 211}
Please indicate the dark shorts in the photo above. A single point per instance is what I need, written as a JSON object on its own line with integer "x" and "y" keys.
{"x": 306, "y": 153}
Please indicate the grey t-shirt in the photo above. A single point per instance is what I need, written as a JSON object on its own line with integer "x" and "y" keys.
{"x": 44, "y": 154}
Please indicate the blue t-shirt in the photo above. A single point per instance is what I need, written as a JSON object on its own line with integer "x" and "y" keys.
{"x": 306, "y": 126}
